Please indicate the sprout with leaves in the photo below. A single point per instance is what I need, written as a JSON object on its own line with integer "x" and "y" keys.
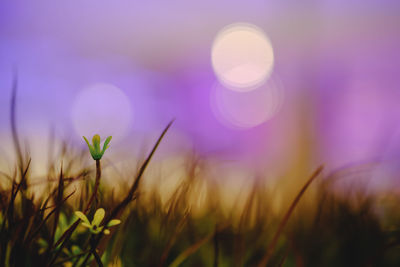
{"x": 98, "y": 217}
{"x": 94, "y": 149}
{"x": 97, "y": 154}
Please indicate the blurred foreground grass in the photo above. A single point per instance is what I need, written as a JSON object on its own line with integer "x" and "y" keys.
{"x": 321, "y": 224}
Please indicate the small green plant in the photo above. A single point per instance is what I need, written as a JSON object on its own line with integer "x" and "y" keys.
{"x": 98, "y": 217}
{"x": 94, "y": 149}
{"x": 97, "y": 154}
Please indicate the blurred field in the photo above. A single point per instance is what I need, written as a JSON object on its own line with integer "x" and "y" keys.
{"x": 192, "y": 216}
{"x": 282, "y": 148}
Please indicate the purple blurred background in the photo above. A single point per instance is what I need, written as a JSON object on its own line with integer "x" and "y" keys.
{"x": 338, "y": 64}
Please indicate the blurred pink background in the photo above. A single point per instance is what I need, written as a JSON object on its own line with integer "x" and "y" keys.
{"x": 336, "y": 62}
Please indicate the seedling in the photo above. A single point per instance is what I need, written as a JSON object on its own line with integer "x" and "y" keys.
{"x": 98, "y": 217}
{"x": 94, "y": 149}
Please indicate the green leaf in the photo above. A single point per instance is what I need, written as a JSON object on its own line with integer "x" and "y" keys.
{"x": 75, "y": 249}
{"x": 87, "y": 225}
{"x": 62, "y": 221}
{"x": 91, "y": 148}
{"x": 98, "y": 217}
{"x": 87, "y": 142}
{"x": 96, "y": 143}
{"x": 82, "y": 216}
{"x": 105, "y": 146}
{"x": 42, "y": 242}
{"x": 113, "y": 222}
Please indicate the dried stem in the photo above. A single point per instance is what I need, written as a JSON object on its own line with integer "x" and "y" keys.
{"x": 285, "y": 219}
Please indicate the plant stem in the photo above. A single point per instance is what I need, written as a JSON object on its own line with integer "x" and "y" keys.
{"x": 116, "y": 212}
{"x": 93, "y": 252}
{"x": 96, "y": 187}
{"x": 285, "y": 219}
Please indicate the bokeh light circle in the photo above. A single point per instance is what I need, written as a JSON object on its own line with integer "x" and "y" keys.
{"x": 102, "y": 109}
{"x": 246, "y": 110}
{"x": 242, "y": 56}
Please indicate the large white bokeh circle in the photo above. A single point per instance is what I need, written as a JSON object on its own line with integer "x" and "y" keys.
{"x": 102, "y": 109}
{"x": 242, "y": 56}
